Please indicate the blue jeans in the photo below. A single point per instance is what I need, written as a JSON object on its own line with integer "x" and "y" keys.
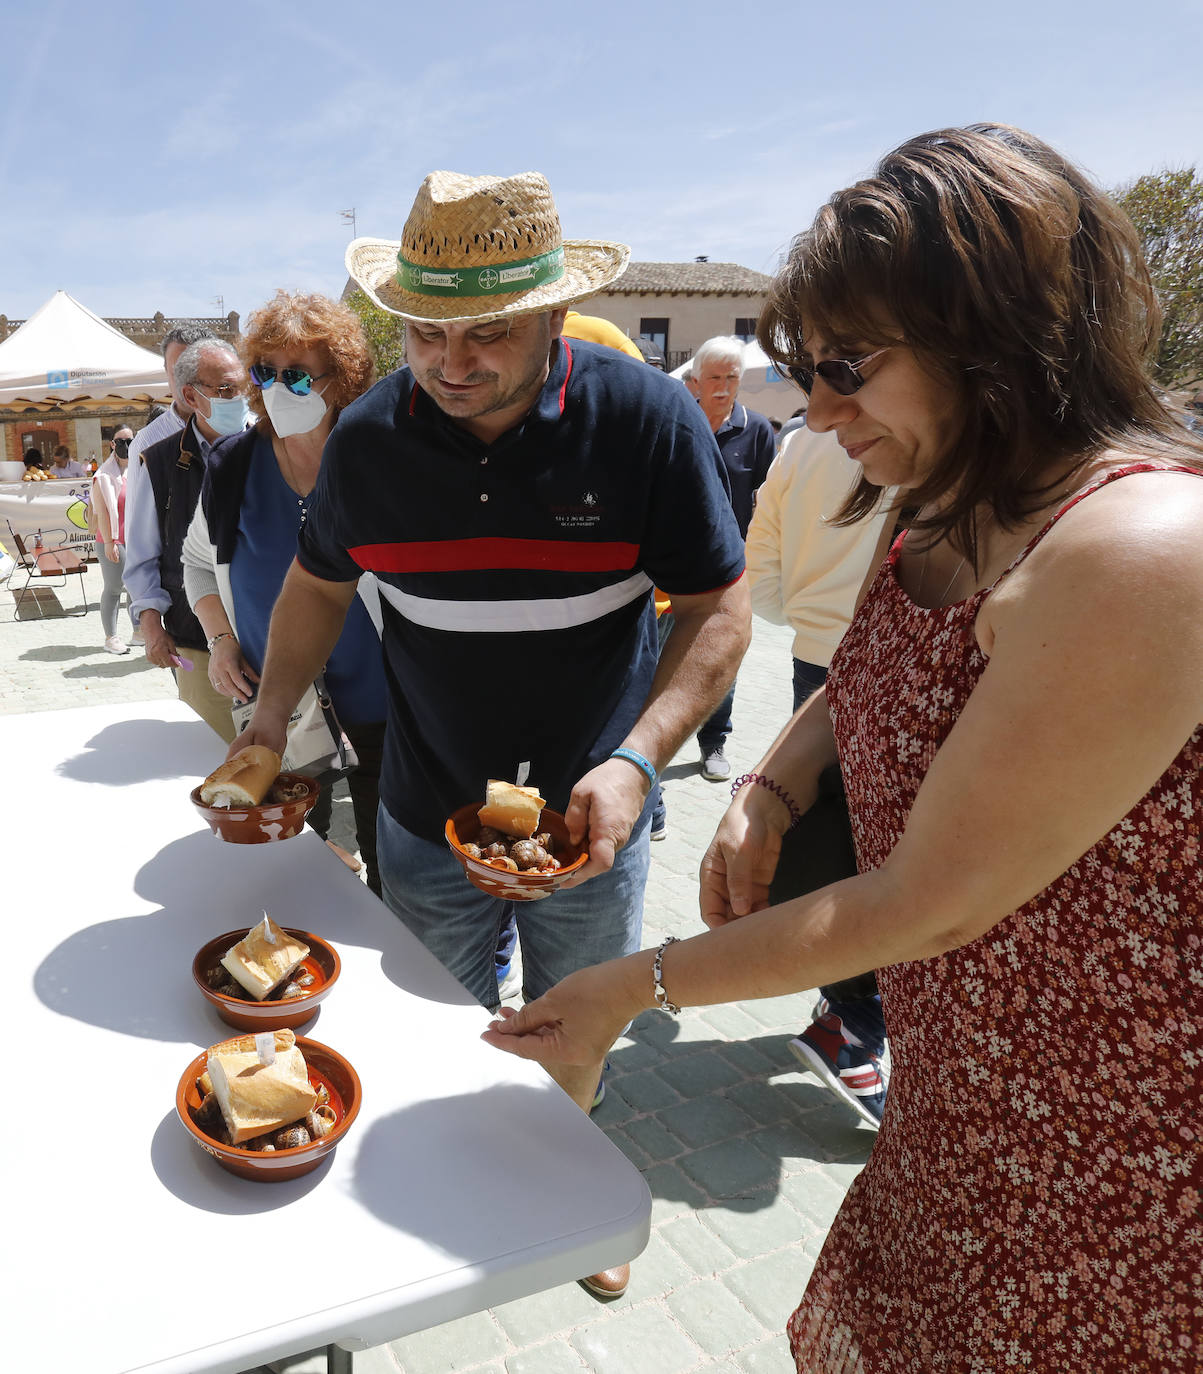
{"x": 425, "y": 886}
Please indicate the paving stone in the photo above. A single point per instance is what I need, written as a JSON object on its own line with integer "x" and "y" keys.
{"x": 753, "y": 1231}
{"x": 659, "y": 1270}
{"x": 632, "y": 1340}
{"x": 645, "y": 1091}
{"x": 528, "y": 1321}
{"x": 788, "y": 1143}
{"x": 816, "y": 1196}
{"x": 770, "y": 1357}
{"x": 749, "y": 1058}
{"x": 770, "y": 1287}
{"x": 556, "y": 1358}
{"x": 461, "y": 1344}
{"x": 698, "y": 1074}
{"x": 714, "y": 1317}
{"x": 775, "y": 1012}
{"x": 672, "y": 1193}
{"x": 705, "y": 1121}
{"x": 638, "y": 1157}
{"x": 731, "y": 1169}
{"x": 654, "y": 1139}
{"x": 731, "y": 1023}
{"x": 764, "y": 1102}
{"x": 697, "y": 1245}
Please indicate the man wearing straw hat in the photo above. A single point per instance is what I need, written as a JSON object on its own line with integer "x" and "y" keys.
{"x": 516, "y": 496}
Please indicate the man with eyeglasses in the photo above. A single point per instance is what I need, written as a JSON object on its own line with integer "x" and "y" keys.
{"x": 207, "y": 380}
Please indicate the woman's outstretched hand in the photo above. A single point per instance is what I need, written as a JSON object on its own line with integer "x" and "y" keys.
{"x": 570, "y": 1029}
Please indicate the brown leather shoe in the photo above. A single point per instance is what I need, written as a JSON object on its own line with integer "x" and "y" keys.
{"x": 610, "y": 1283}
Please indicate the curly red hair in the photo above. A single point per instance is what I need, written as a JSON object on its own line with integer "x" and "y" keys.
{"x": 301, "y": 321}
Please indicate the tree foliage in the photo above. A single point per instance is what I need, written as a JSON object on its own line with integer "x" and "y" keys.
{"x": 385, "y": 333}
{"x": 1167, "y": 209}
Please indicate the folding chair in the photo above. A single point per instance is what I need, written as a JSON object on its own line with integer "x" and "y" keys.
{"x": 47, "y": 560}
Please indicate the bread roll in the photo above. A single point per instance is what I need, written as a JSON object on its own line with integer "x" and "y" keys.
{"x": 255, "y": 1097}
{"x": 243, "y": 780}
{"x": 263, "y": 958}
{"x": 512, "y": 809}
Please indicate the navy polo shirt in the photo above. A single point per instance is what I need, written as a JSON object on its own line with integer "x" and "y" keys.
{"x": 748, "y": 445}
{"x": 516, "y": 577}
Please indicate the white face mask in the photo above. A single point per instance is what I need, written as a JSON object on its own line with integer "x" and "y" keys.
{"x": 225, "y": 416}
{"x": 291, "y": 414}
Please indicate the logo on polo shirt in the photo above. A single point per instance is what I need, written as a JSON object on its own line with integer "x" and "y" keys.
{"x": 585, "y": 513}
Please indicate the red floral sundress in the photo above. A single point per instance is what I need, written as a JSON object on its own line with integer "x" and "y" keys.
{"x": 1033, "y": 1198}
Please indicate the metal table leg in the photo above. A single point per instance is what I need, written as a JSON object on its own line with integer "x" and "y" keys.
{"x": 338, "y": 1360}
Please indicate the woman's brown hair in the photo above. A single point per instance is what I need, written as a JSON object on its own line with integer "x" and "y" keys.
{"x": 1014, "y": 278}
{"x": 303, "y": 322}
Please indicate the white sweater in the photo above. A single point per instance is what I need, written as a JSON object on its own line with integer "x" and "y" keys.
{"x": 802, "y": 570}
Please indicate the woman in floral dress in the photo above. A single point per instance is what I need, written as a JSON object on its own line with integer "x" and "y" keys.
{"x": 1016, "y": 711}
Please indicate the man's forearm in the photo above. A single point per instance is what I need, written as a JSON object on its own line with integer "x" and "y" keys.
{"x": 698, "y": 663}
{"x": 306, "y": 622}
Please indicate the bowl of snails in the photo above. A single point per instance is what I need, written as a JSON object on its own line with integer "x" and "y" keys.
{"x": 516, "y": 870}
{"x": 329, "y": 1097}
{"x": 290, "y": 1004}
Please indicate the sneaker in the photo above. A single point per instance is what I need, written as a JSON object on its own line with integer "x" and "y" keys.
{"x": 113, "y": 645}
{"x": 600, "y": 1096}
{"x": 715, "y": 767}
{"x": 660, "y": 828}
{"x": 848, "y": 1070}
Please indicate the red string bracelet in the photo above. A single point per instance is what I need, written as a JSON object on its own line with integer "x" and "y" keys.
{"x": 761, "y": 781}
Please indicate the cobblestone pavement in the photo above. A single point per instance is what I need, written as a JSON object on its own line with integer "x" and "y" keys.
{"x": 747, "y": 1158}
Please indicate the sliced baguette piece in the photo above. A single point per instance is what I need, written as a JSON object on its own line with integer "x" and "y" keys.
{"x": 243, "y": 780}
{"x": 263, "y": 958}
{"x": 255, "y": 1097}
{"x": 512, "y": 809}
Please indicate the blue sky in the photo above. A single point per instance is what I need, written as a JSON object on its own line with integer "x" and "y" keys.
{"x": 158, "y": 156}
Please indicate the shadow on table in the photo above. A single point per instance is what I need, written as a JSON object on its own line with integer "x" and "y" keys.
{"x": 184, "y": 1169}
{"x": 504, "y": 1138}
{"x": 137, "y": 751}
{"x": 133, "y": 974}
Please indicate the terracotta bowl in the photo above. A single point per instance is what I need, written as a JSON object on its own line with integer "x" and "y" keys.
{"x": 260, "y": 824}
{"x": 463, "y": 829}
{"x": 325, "y": 1066}
{"x": 244, "y": 1013}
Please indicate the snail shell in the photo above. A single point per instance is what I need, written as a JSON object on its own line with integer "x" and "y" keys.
{"x": 505, "y": 862}
{"x": 291, "y": 1137}
{"x": 471, "y": 850}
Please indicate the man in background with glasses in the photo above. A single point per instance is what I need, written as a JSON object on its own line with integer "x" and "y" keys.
{"x": 206, "y": 381}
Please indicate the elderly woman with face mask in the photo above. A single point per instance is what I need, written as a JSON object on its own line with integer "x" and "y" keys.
{"x": 306, "y": 359}
{"x": 108, "y": 502}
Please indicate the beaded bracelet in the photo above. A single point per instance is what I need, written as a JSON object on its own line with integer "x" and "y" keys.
{"x": 658, "y": 978}
{"x": 760, "y": 780}
{"x": 644, "y": 765}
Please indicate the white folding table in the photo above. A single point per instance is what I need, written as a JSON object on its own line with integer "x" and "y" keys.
{"x": 468, "y": 1180}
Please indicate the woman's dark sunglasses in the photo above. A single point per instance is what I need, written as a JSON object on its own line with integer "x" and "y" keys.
{"x": 296, "y": 379}
{"x": 842, "y": 375}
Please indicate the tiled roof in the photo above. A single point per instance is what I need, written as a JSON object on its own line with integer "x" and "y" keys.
{"x": 695, "y": 278}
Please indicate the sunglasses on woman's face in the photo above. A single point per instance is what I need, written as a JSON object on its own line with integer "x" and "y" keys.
{"x": 842, "y": 375}
{"x": 296, "y": 379}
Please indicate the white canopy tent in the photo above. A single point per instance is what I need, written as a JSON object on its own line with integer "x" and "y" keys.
{"x": 762, "y": 388}
{"x": 64, "y": 354}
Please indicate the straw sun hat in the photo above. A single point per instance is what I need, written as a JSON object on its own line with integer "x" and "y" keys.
{"x": 477, "y": 248}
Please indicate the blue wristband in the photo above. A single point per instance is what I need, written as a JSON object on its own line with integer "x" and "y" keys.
{"x": 639, "y": 761}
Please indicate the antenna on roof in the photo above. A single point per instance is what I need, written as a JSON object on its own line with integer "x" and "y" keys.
{"x": 348, "y": 217}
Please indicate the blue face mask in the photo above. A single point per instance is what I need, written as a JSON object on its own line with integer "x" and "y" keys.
{"x": 226, "y": 417}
